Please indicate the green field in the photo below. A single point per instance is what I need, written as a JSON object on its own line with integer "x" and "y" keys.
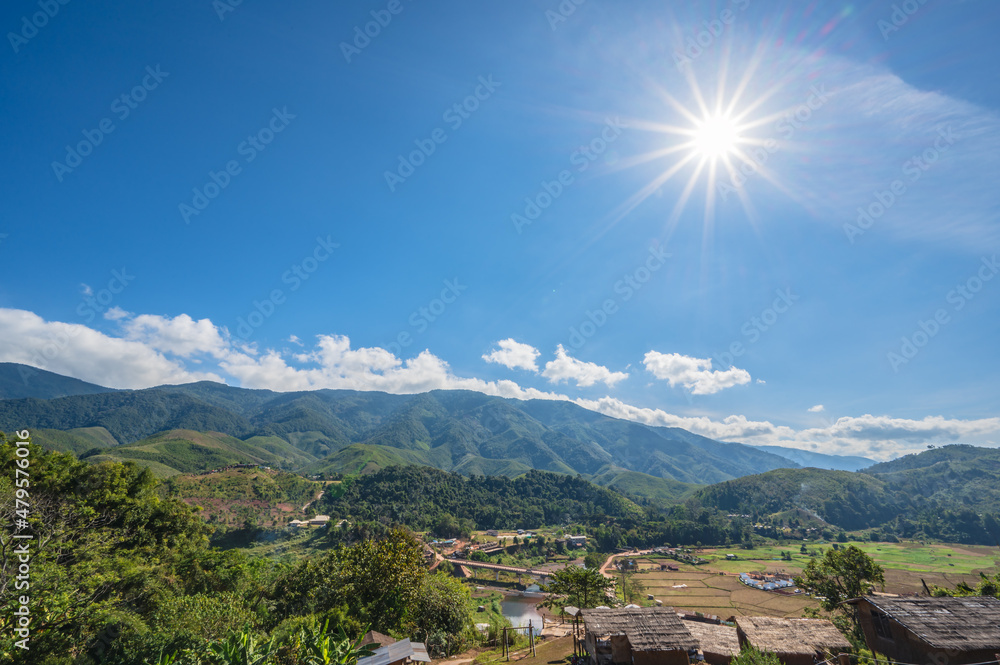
{"x": 933, "y": 558}
{"x": 908, "y": 556}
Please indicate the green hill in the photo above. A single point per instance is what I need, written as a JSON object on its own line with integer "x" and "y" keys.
{"x": 643, "y": 485}
{"x": 950, "y": 493}
{"x": 848, "y": 500}
{"x": 450, "y": 430}
{"x": 185, "y": 451}
{"x": 74, "y": 441}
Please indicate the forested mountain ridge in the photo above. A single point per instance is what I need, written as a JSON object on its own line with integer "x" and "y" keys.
{"x": 950, "y": 493}
{"x": 350, "y": 431}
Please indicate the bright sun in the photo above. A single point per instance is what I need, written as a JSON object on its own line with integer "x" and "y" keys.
{"x": 715, "y": 137}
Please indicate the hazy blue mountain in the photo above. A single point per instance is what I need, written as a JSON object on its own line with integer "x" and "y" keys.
{"x": 21, "y": 381}
{"x": 819, "y": 460}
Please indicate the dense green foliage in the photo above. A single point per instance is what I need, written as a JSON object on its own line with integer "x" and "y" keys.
{"x": 839, "y": 575}
{"x": 987, "y": 586}
{"x": 120, "y": 573}
{"x": 421, "y": 498}
{"x": 750, "y": 655}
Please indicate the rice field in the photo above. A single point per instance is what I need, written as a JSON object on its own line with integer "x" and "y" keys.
{"x": 714, "y": 588}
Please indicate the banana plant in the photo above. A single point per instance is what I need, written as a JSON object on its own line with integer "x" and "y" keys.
{"x": 322, "y": 648}
{"x": 241, "y": 648}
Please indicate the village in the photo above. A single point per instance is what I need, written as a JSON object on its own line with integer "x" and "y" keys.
{"x": 662, "y": 629}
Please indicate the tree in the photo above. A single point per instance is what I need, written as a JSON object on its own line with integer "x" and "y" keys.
{"x": 632, "y": 589}
{"x": 441, "y": 616}
{"x": 380, "y": 579}
{"x": 583, "y": 587}
{"x": 840, "y": 575}
{"x": 594, "y": 560}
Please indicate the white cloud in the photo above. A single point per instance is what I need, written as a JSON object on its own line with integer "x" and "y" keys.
{"x": 819, "y": 408}
{"x": 695, "y": 374}
{"x": 116, "y": 313}
{"x": 75, "y": 350}
{"x": 565, "y": 368}
{"x": 514, "y": 355}
{"x": 155, "y": 350}
{"x": 958, "y": 184}
{"x": 180, "y": 335}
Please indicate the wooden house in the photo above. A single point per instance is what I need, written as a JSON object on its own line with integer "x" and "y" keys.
{"x": 795, "y": 641}
{"x": 718, "y": 643}
{"x": 952, "y": 631}
{"x": 639, "y": 636}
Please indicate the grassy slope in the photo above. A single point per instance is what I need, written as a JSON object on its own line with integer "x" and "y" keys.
{"x": 186, "y": 451}
{"x": 74, "y": 441}
{"x": 634, "y": 483}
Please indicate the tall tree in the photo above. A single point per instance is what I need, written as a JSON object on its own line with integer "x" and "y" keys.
{"x": 583, "y": 587}
{"x": 380, "y": 579}
{"x": 840, "y": 575}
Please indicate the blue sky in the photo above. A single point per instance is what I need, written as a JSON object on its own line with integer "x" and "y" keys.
{"x": 515, "y": 198}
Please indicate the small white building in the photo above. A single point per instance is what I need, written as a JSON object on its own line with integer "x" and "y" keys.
{"x": 319, "y": 520}
{"x": 296, "y": 523}
{"x": 576, "y": 541}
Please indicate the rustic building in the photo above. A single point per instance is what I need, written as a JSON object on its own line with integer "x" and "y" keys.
{"x": 932, "y": 630}
{"x": 718, "y": 643}
{"x": 640, "y": 636}
{"x": 795, "y": 641}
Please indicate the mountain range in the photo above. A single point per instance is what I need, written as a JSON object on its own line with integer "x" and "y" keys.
{"x": 201, "y": 425}
{"x": 951, "y": 493}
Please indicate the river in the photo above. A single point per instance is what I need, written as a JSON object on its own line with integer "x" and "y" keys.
{"x": 519, "y": 610}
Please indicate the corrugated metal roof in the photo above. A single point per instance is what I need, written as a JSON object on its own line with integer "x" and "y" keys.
{"x": 396, "y": 652}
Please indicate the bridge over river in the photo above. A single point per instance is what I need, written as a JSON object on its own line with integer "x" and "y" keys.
{"x": 540, "y": 575}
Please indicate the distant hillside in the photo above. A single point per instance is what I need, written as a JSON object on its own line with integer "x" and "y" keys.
{"x": 184, "y": 451}
{"x": 422, "y": 497}
{"x": 957, "y": 475}
{"x": 349, "y": 431}
{"x": 76, "y": 441}
{"x": 808, "y": 458}
{"x": 848, "y": 500}
{"x": 237, "y": 496}
{"x": 643, "y": 485}
{"x": 950, "y": 493}
{"x": 21, "y": 381}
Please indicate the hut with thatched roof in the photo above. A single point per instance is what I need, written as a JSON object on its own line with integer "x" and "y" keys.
{"x": 639, "y": 636}
{"x": 718, "y": 643}
{"x": 932, "y": 630}
{"x": 795, "y": 641}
